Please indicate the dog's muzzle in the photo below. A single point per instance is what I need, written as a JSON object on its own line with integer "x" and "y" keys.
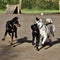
{"x": 17, "y": 25}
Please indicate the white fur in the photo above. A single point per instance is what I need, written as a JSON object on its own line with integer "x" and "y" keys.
{"x": 44, "y": 30}
{"x": 49, "y": 20}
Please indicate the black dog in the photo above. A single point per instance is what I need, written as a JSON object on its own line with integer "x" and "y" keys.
{"x": 35, "y": 34}
{"x": 11, "y": 28}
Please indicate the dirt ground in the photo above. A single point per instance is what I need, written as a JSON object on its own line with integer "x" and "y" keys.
{"x": 22, "y": 48}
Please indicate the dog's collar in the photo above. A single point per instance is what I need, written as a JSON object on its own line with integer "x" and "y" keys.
{"x": 41, "y": 26}
{"x": 48, "y": 23}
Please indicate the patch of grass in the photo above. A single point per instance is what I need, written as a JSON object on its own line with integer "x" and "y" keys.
{"x": 39, "y": 11}
{"x": 34, "y": 11}
{"x": 2, "y": 11}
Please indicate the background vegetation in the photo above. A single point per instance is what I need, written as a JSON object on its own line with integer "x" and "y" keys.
{"x": 38, "y": 5}
{"x": 32, "y": 4}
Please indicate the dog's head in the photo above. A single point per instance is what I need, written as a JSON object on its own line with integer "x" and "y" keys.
{"x": 16, "y": 22}
{"x": 37, "y": 19}
{"x": 34, "y": 28}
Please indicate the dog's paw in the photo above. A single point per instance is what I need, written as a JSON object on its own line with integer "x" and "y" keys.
{"x": 11, "y": 43}
{"x": 39, "y": 47}
{"x": 42, "y": 43}
{"x": 33, "y": 43}
{"x": 3, "y": 39}
{"x": 15, "y": 36}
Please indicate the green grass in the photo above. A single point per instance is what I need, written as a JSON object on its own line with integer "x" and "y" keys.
{"x": 2, "y": 11}
{"x": 39, "y": 11}
{"x": 34, "y": 11}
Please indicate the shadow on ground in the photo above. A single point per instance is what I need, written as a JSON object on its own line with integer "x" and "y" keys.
{"x": 25, "y": 40}
{"x": 52, "y": 43}
{"x": 21, "y": 41}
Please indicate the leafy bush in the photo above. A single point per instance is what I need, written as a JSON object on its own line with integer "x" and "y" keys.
{"x": 33, "y": 4}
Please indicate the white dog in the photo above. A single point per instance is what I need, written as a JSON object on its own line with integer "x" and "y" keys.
{"x": 50, "y": 26}
{"x": 44, "y": 30}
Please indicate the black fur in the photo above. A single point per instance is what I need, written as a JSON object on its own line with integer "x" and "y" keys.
{"x": 37, "y": 19}
{"x": 11, "y": 27}
{"x": 35, "y": 34}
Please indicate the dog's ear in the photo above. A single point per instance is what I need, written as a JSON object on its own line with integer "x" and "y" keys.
{"x": 37, "y": 18}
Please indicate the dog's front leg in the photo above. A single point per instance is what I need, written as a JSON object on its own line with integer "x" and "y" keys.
{"x": 16, "y": 33}
{"x": 11, "y": 39}
{"x": 33, "y": 38}
{"x": 39, "y": 43}
{"x": 12, "y": 35}
{"x": 37, "y": 40}
{"x": 44, "y": 39}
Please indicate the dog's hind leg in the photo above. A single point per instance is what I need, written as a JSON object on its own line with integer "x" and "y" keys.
{"x": 4, "y": 35}
{"x": 11, "y": 40}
